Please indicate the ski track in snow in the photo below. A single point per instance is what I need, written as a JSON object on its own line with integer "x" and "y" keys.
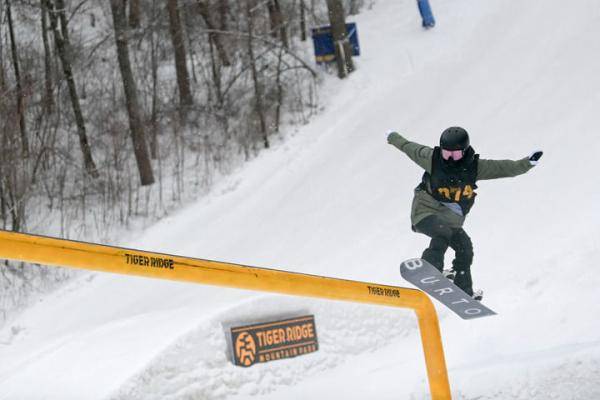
{"x": 334, "y": 199}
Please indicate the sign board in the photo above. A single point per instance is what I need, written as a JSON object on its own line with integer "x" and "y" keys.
{"x": 271, "y": 341}
{"x": 323, "y": 42}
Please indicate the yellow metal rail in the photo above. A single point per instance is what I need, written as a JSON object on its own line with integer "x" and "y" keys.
{"x": 68, "y": 253}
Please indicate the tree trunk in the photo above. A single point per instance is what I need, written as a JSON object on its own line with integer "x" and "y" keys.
{"x": 343, "y": 50}
{"x": 280, "y": 92}
{"x": 217, "y": 39}
{"x": 48, "y": 98}
{"x": 154, "y": 66}
{"x": 273, "y": 19}
{"x": 61, "y": 40}
{"x": 19, "y": 85}
{"x": 183, "y": 81}
{"x": 135, "y": 123}
{"x": 216, "y": 74}
{"x": 257, "y": 87}
{"x": 302, "y": 21}
{"x": 277, "y": 22}
{"x": 2, "y": 67}
{"x": 223, "y": 12}
{"x": 134, "y": 14}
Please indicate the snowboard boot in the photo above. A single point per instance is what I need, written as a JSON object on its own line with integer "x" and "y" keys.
{"x": 450, "y": 274}
{"x": 434, "y": 254}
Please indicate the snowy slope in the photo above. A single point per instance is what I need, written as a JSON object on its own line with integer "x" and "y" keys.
{"x": 334, "y": 199}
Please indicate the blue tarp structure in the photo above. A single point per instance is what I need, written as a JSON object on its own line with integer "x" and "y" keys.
{"x": 426, "y": 14}
{"x": 323, "y": 42}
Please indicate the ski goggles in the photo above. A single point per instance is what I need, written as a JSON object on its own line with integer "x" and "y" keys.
{"x": 454, "y": 154}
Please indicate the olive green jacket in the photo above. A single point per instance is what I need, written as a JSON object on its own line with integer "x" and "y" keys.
{"x": 425, "y": 205}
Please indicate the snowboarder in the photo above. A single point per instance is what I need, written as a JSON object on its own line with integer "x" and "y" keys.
{"x": 446, "y": 194}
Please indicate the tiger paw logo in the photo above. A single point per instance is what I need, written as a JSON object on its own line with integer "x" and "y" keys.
{"x": 245, "y": 349}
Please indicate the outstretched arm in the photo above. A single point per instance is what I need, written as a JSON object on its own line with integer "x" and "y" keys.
{"x": 494, "y": 169}
{"x": 419, "y": 153}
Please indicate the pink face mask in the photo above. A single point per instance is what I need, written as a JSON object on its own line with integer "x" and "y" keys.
{"x": 455, "y": 154}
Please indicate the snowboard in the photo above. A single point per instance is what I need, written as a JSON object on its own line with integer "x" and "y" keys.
{"x": 427, "y": 278}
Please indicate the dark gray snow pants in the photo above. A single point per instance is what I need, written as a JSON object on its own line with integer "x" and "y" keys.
{"x": 443, "y": 236}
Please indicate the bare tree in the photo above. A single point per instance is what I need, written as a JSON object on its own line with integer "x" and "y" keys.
{"x": 154, "y": 66}
{"x": 277, "y": 21}
{"x": 14, "y": 182}
{"x": 343, "y": 50}
{"x": 140, "y": 148}
{"x": 223, "y": 12}
{"x": 258, "y": 92}
{"x": 2, "y": 67}
{"x": 134, "y": 14}
{"x": 280, "y": 91}
{"x": 19, "y": 83}
{"x": 56, "y": 10}
{"x": 302, "y": 21}
{"x": 215, "y": 38}
{"x": 183, "y": 81}
{"x": 48, "y": 98}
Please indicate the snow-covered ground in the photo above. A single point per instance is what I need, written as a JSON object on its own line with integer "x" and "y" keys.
{"x": 334, "y": 199}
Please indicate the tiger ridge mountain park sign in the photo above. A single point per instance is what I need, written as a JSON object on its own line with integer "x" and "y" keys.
{"x": 271, "y": 341}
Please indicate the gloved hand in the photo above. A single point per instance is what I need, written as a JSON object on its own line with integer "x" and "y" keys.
{"x": 392, "y": 136}
{"x": 535, "y": 157}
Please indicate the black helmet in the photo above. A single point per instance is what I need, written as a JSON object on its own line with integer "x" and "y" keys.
{"x": 454, "y": 138}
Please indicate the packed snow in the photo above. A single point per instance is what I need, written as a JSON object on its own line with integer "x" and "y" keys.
{"x": 334, "y": 199}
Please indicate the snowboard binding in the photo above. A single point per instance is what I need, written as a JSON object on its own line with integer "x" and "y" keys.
{"x": 478, "y": 295}
{"x": 449, "y": 274}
